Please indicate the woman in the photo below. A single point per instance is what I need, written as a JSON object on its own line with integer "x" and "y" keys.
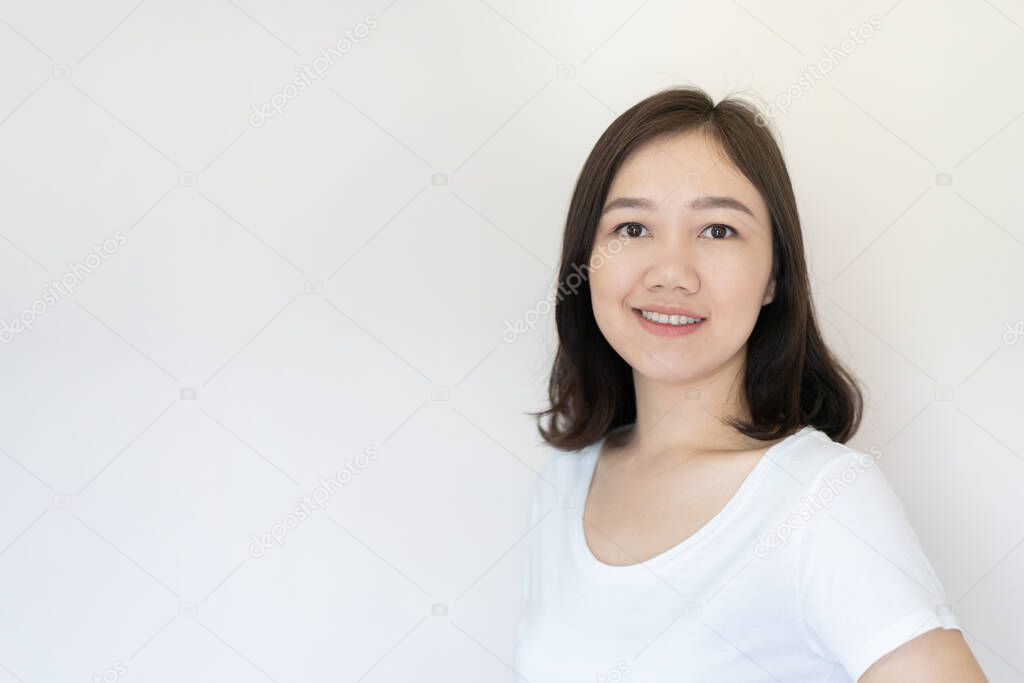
{"x": 701, "y": 519}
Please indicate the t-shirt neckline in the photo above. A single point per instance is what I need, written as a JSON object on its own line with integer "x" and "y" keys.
{"x": 589, "y": 562}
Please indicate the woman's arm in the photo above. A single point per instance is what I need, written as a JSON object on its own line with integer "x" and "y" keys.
{"x": 938, "y": 655}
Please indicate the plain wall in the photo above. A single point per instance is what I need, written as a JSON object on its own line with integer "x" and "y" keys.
{"x": 282, "y": 293}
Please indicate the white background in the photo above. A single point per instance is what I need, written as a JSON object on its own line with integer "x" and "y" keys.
{"x": 337, "y": 279}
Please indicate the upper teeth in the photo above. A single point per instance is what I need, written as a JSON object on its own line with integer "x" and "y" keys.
{"x": 670, "y": 319}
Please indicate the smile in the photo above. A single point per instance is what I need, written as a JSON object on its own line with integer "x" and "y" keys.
{"x": 664, "y": 325}
{"x": 669, "y": 319}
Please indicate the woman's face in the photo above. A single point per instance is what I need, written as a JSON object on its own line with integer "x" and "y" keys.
{"x": 676, "y": 235}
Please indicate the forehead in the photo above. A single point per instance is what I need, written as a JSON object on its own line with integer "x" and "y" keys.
{"x": 682, "y": 167}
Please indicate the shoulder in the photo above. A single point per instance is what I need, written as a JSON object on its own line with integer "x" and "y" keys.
{"x": 812, "y": 455}
{"x": 830, "y": 476}
{"x": 847, "y": 501}
{"x": 564, "y": 472}
{"x": 843, "y": 481}
{"x": 865, "y": 582}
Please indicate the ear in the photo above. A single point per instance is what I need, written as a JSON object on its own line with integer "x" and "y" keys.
{"x": 769, "y": 295}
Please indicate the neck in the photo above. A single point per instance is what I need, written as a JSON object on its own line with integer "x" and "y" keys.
{"x": 687, "y": 415}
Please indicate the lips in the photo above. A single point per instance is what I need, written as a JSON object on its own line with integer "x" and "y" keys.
{"x": 668, "y": 329}
{"x": 669, "y": 310}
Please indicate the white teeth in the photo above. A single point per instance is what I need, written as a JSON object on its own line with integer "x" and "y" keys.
{"x": 670, "y": 319}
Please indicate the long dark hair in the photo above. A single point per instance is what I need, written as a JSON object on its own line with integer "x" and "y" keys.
{"x": 791, "y": 379}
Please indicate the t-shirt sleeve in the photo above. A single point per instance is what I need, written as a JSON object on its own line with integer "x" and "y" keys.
{"x": 525, "y": 567}
{"x": 547, "y": 472}
{"x": 865, "y": 583}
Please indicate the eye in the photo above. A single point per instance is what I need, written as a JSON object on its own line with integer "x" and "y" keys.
{"x": 628, "y": 225}
{"x": 719, "y": 225}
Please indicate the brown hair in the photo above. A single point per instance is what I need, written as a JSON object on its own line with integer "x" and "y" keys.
{"x": 791, "y": 380}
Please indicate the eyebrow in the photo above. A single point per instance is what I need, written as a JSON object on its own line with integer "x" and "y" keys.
{"x": 699, "y": 204}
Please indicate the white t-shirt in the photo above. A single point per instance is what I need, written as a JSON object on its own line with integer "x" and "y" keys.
{"x": 811, "y": 572}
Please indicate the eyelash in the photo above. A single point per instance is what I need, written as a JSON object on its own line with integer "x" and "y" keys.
{"x": 710, "y": 225}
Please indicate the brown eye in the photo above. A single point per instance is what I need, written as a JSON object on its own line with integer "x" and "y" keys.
{"x": 719, "y": 231}
{"x": 634, "y": 232}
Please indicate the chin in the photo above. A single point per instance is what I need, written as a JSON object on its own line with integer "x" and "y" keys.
{"x": 662, "y": 369}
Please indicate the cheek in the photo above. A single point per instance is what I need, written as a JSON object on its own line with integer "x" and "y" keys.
{"x": 610, "y": 276}
{"x": 738, "y": 277}
{"x": 603, "y": 261}
{"x": 737, "y": 303}
{"x": 736, "y": 264}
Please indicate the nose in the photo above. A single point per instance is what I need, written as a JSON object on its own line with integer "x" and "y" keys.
{"x": 671, "y": 269}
